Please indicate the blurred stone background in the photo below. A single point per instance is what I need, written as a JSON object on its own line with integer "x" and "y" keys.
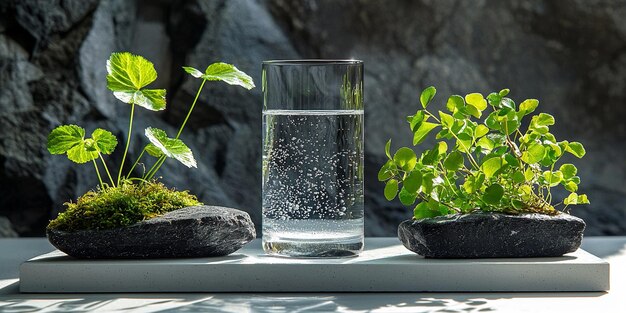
{"x": 571, "y": 55}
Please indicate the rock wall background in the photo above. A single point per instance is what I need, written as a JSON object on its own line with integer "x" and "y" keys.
{"x": 571, "y": 55}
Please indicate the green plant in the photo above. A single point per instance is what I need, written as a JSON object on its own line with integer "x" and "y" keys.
{"x": 128, "y": 75}
{"x": 120, "y": 200}
{"x": 491, "y": 166}
{"x": 124, "y": 205}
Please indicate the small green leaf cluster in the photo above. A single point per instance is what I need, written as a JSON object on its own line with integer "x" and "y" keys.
{"x": 119, "y": 202}
{"x": 127, "y": 77}
{"x": 70, "y": 140}
{"x": 127, "y": 204}
{"x": 482, "y": 160}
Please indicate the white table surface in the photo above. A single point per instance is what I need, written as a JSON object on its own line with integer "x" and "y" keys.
{"x": 15, "y": 251}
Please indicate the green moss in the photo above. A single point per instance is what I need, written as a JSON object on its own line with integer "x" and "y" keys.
{"x": 120, "y": 206}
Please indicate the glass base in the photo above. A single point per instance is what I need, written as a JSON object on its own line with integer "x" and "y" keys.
{"x": 327, "y": 248}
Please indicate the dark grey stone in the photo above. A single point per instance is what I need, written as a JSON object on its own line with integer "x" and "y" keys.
{"x": 484, "y": 235}
{"x": 199, "y": 231}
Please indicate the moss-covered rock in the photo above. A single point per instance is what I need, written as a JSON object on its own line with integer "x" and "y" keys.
{"x": 120, "y": 206}
{"x": 197, "y": 231}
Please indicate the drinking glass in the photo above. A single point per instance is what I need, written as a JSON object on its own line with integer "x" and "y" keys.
{"x": 313, "y": 158}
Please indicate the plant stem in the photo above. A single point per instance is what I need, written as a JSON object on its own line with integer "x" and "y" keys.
{"x": 106, "y": 168}
{"x": 136, "y": 162}
{"x": 146, "y": 174}
{"x": 452, "y": 187}
{"x": 156, "y": 168}
{"x": 130, "y": 130}
{"x": 139, "y": 179}
{"x": 191, "y": 109}
{"x": 160, "y": 162}
{"x": 95, "y": 165}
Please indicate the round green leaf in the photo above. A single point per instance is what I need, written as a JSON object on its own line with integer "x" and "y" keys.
{"x": 430, "y": 157}
{"x": 391, "y": 189}
{"x": 413, "y": 181}
{"x": 491, "y": 166}
{"x": 446, "y": 119}
{"x": 405, "y": 158}
{"x": 493, "y": 194}
{"x": 476, "y": 100}
{"x": 473, "y": 111}
{"x": 494, "y": 99}
{"x": 225, "y": 72}
{"x": 423, "y": 131}
{"x": 486, "y": 144}
{"x": 553, "y": 178}
{"x": 468, "y": 185}
{"x": 455, "y": 103}
{"x": 518, "y": 177}
{"x": 407, "y": 198}
{"x": 533, "y": 154}
{"x": 80, "y": 153}
{"x": 571, "y": 199}
{"x": 416, "y": 120}
{"x": 576, "y": 148}
{"x": 528, "y": 106}
{"x": 568, "y": 170}
{"x": 492, "y": 121}
{"x": 427, "y": 95}
{"x": 427, "y": 183}
{"x": 539, "y": 126}
{"x": 129, "y": 72}
{"x": 127, "y": 75}
{"x": 386, "y": 171}
{"x": 473, "y": 183}
{"x": 480, "y": 131}
{"x": 454, "y": 161}
{"x": 64, "y": 138}
{"x": 154, "y": 151}
{"x": 104, "y": 140}
{"x": 423, "y": 211}
{"x": 545, "y": 119}
{"x": 507, "y": 103}
{"x": 511, "y": 160}
{"x": 171, "y": 147}
{"x": 571, "y": 186}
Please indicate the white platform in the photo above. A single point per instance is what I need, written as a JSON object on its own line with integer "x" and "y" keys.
{"x": 385, "y": 266}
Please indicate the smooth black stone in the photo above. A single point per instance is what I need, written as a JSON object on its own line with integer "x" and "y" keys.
{"x": 198, "y": 231}
{"x": 485, "y": 235}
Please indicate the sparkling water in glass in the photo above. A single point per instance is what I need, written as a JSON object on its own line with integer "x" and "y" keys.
{"x": 313, "y": 158}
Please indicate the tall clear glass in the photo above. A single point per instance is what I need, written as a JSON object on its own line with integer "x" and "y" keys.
{"x": 313, "y": 158}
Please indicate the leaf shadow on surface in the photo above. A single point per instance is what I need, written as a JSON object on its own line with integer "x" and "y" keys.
{"x": 269, "y": 302}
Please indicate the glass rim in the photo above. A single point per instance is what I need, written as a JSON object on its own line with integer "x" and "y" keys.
{"x": 304, "y": 62}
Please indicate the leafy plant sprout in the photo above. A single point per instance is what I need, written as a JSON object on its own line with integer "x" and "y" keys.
{"x": 492, "y": 165}
{"x": 128, "y": 76}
